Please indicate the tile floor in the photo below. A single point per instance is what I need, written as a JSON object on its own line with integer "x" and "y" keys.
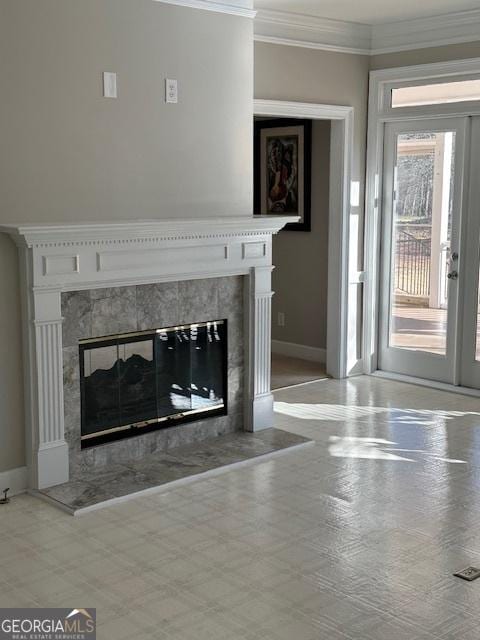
{"x": 354, "y": 538}
{"x": 288, "y": 371}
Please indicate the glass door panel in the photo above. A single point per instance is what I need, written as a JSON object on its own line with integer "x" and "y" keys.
{"x": 422, "y": 230}
{"x": 423, "y": 174}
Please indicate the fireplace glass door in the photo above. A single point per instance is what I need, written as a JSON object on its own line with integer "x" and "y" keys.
{"x": 142, "y": 381}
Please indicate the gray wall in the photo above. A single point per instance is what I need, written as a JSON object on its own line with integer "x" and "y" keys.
{"x": 12, "y": 440}
{"x": 73, "y": 155}
{"x": 308, "y": 75}
{"x": 67, "y": 154}
{"x": 301, "y": 260}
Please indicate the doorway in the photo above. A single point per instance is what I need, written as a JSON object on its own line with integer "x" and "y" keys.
{"x": 429, "y": 306}
{"x": 300, "y": 251}
{"x": 342, "y": 312}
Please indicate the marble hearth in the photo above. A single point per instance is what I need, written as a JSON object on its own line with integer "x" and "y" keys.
{"x": 76, "y": 278}
{"x": 164, "y": 470}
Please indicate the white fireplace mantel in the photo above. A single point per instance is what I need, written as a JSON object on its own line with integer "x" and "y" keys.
{"x": 68, "y": 257}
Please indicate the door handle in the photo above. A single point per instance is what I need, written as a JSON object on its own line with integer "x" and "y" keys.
{"x": 453, "y": 275}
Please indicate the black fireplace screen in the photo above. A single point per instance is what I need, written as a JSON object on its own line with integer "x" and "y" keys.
{"x": 142, "y": 381}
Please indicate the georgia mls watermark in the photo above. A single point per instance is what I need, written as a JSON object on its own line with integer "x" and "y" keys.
{"x": 48, "y": 624}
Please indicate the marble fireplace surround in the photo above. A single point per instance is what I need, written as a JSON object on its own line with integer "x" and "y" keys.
{"x": 120, "y": 310}
{"x": 59, "y": 258}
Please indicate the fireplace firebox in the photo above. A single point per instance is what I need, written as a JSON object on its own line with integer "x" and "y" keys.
{"x": 137, "y": 382}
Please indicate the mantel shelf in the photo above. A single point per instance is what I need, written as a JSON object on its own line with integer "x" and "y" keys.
{"x": 31, "y": 234}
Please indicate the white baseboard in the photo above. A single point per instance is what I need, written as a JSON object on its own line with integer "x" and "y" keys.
{"x": 301, "y": 351}
{"x": 15, "y": 479}
{"x": 422, "y": 382}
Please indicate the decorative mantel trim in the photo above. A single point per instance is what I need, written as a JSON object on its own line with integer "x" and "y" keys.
{"x": 56, "y": 258}
{"x": 90, "y": 233}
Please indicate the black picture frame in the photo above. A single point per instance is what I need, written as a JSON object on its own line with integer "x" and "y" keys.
{"x": 300, "y": 133}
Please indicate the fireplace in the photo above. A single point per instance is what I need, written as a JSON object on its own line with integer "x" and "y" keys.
{"x": 122, "y": 345}
{"x": 88, "y": 280}
{"x": 138, "y": 382}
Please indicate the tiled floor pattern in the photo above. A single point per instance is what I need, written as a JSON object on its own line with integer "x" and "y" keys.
{"x": 356, "y": 537}
{"x": 178, "y": 464}
{"x": 288, "y": 371}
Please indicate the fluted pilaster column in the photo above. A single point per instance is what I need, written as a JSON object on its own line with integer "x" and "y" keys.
{"x": 50, "y": 463}
{"x": 259, "y": 405}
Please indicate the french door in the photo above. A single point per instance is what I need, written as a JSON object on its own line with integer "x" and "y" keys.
{"x": 429, "y": 312}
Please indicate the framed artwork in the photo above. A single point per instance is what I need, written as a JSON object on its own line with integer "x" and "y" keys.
{"x": 282, "y": 169}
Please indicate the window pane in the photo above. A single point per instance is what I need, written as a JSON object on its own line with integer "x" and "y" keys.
{"x": 422, "y": 223}
{"x": 444, "y": 93}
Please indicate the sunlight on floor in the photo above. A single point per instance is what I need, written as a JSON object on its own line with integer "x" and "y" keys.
{"x": 375, "y": 449}
{"x": 325, "y": 411}
{"x": 367, "y": 448}
{"x": 341, "y": 413}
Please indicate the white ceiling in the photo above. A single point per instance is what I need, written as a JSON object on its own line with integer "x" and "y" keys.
{"x": 369, "y": 11}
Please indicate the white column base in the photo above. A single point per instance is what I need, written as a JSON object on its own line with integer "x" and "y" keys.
{"x": 52, "y": 465}
{"x": 262, "y": 413}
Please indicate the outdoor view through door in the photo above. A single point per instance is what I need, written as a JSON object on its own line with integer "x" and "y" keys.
{"x": 423, "y": 179}
{"x": 422, "y": 260}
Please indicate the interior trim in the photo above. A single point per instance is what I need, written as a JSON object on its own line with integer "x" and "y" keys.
{"x": 380, "y": 112}
{"x": 422, "y": 382}
{"x": 301, "y": 351}
{"x": 15, "y": 479}
{"x": 422, "y": 33}
{"x": 242, "y": 8}
{"x": 311, "y": 32}
{"x": 299, "y": 30}
{"x": 341, "y": 354}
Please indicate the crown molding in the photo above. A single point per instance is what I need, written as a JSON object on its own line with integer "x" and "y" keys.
{"x": 291, "y": 29}
{"x": 299, "y": 30}
{"x": 242, "y": 8}
{"x": 423, "y": 33}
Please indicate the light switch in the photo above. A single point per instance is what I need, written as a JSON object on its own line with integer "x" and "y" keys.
{"x": 171, "y": 91}
{"x": 109, "y": 84}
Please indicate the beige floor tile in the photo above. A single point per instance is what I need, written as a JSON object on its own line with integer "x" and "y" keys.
{"x": 354, "y": 538}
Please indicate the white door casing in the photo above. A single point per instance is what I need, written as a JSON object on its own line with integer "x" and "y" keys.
{"x": 469, "y": 365}
{"x": 343, "y": 276}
